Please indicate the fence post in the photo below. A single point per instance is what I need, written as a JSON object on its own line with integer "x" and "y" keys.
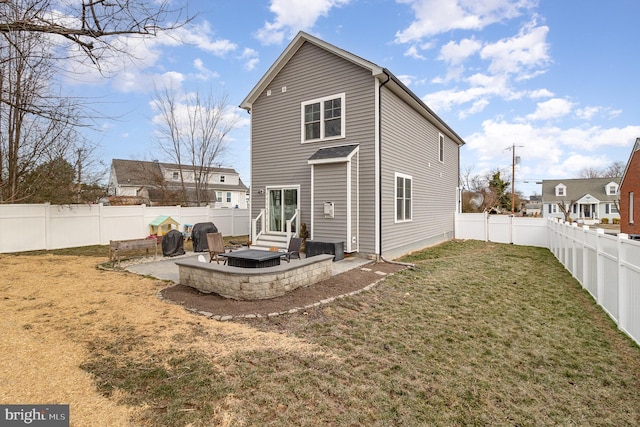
{"x": 48, "y": 232}
{"x": 585, "y": 257}
{"x": 623, "y": 285}
{"x": 599, "y": 267}
{"x": 486, "y": 226}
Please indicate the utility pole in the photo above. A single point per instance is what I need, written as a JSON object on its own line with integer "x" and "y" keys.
{"x": 513, "y": 176}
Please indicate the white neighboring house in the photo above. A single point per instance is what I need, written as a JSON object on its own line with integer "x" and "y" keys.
{"x": 593, "y": 198}
{"x": 157, "y": 183}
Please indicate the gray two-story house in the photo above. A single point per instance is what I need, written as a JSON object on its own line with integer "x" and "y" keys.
{"x": 342, "y": 145}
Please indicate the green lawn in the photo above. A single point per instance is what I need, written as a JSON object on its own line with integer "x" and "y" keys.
{"x": 477, "y": 334}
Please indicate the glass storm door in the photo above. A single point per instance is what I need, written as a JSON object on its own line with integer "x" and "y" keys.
{"x": 283, "y": 203}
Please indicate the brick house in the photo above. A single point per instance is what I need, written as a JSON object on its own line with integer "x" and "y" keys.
{"x": 630, "y": 194}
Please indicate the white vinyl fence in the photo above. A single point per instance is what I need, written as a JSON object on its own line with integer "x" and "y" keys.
{"x": 607, "y": 266}
{"x": 44, "y": 226}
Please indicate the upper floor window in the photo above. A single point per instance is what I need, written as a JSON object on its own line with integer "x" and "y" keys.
{"x": 403, "y": 197}
{"x": 561, "y": 190}
{"x": 221, "y": 178}
{"x": 219, "y": 196}
{"x": 612, "y": 189}
{"x": 323, "y": 118}
{"x": 175, "y": 175}
{"x": 441, "y": 147}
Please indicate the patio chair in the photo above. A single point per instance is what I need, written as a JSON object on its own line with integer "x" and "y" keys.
{"x": 216, "y": 246}
{"x": 293, "y": 251}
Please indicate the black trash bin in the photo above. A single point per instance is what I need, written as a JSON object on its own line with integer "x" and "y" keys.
{"x": 199, "y": 235}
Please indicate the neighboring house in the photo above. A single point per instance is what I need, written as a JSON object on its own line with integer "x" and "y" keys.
{"x": 347, "y": 146}
{"x": 630, "y": 194}
{"x": 588, "y": 199}
{"x": 159, "y": 184}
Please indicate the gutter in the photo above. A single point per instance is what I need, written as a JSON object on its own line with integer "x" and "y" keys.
{"x": 380, "y": 161}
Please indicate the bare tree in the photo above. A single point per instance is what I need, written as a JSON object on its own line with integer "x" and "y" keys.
{"x": 91, "y": 25}
{"x": 566, "y": 208}
{"x": 614, "y": 170}
{"x": 36, "y": 126}
{"x": 192, "y": 131}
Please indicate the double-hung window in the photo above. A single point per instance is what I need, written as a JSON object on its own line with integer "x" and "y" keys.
{"x": 403, "y": 197}
{"x": 323, "y": 118}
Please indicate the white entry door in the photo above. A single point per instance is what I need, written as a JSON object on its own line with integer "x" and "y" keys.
{"x": 282, "y": 205}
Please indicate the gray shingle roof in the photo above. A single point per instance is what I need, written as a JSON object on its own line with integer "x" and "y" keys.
{"x": 577, "y": 188}
{"x": 341, "y": 152}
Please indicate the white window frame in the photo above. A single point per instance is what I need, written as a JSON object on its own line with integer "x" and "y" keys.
{"x": 631, "y": 207}
{"x": 441, "y": 148}
{"x": 175, "y": 175}
{"x": 222, "y": 178}
{"x": 395, "y": 199}
{"x": 612, "y": 189}
{"x": 561, "y": 190}
{"x": 228, "y": 196}
{"x": 219, "y": 196}
{"x": 321, "y": 101}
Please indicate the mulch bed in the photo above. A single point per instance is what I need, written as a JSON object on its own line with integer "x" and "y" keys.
{"x": 341, "y": 284}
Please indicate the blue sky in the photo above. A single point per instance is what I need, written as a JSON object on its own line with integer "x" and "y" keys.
{"x": 556, "y": 78}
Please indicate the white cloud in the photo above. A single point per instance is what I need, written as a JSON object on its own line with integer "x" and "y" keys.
{"x": 203, "y": 72}
{"x": 549, "y": 151}
{"x": 250, "y": 56}
{"x": 293, "y": 16}
{"x": 456, "y": 53}
{"x": 526, "y": 51}
{"x": 540, "y": 93}
{"x": 587, "y": 113}
{"x": 434, "y": 17}
{"x": 412, "y": 52}
{"x": 552, "y": 109}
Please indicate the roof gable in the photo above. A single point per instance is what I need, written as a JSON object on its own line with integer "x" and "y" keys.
{"x": 385, "y": 77}
{"x": 632, "y": 158}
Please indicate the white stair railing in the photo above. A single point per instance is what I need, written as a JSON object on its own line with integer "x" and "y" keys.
{"x": 290, "y": 221}
{"x": 255, "y": 234}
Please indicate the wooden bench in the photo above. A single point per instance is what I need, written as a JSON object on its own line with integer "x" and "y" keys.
{"x": 117, "y": 246}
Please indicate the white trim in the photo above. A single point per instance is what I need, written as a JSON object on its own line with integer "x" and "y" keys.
{"x": 320, "y": 101}
{"x": 440, "y": 147}
{"x": 348, "y": 245}
{"x": 312, "y": 197}
{"x": 397, "y": 175}
{"x": 266, "y": 204}
{"x": 376, "y": 179}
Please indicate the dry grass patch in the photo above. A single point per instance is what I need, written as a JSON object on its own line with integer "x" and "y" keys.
{"x": 478, "y": 333}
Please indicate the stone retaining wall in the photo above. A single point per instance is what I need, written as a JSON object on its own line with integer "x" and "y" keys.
{"x": 254, "y": 283}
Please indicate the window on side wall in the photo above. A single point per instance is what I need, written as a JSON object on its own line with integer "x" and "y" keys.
{"x": 228, "y": 197}
{"x": 441, "y": 147}
{"x": 403, "y": 197}
{"x": 323, "y": 118}
{"x": 631, "y": 207}
{"x": 219, "y": 196}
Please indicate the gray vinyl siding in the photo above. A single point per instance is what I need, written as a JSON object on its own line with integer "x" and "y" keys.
{"x": 330, "y": 186}
{"x": 410, "y": 146}
{"x": 277, "y": 155}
